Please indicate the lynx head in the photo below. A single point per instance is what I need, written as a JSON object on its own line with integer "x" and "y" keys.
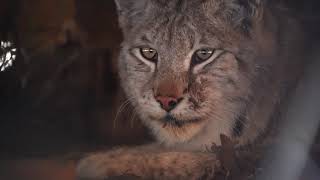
{"x": 187, "y": 65}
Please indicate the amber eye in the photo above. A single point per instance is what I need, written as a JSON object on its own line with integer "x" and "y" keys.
{"x": 149, "y": 54}
{"x": 202, "y": 55}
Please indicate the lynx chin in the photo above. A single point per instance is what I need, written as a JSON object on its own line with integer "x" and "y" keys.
{"x": 196, "y": 69}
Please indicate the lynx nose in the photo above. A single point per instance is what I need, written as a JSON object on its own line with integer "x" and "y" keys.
{"x": 168, "y": 103}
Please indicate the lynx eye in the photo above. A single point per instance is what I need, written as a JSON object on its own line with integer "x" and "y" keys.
{"x": 202, "y": 55}
{"x": 149, "y": 54}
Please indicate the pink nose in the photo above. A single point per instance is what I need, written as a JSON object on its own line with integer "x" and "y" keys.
{"x": 167, "y": 103}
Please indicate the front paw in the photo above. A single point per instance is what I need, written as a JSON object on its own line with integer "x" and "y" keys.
{"x": 103, "y": 165}
{"x": 146, "y": 165}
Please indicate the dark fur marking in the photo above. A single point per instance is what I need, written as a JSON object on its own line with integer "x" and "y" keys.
{"x": 240, "y": 121}
{"x": 238, "y": 126}
{"x": 194, "y": 103}
{"x": 179, "y": 6}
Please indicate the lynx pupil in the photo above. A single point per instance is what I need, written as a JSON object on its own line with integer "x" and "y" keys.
{"x": 204, "y": 54}
{"x": 149, "y": 54}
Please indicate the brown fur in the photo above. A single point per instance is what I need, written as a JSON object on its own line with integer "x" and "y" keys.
{"x": 239, "y": 93}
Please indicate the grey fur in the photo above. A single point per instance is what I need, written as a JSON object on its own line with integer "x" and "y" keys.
{"x": 245, "y": 85}
{"x": 239, "y": 92}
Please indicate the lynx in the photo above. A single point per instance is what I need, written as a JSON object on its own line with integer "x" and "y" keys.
{"x": 196, "y": 69}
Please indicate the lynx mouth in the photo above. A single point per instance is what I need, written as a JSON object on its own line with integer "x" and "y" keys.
{"x": 170, "y": 120}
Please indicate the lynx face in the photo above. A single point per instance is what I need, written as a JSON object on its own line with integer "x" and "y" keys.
{"x": 188, "y": 65}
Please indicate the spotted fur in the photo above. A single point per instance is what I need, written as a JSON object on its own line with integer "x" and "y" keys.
{"x": 237, "y": 93}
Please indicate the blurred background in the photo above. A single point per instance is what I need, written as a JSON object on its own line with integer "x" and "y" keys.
{"x": 59, "y": 89}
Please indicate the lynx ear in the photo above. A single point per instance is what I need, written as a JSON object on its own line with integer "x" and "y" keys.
{"x": 122, "y": 4}
{"x": 249, "y": 13}
{"x": 253, "y": 8}
{"x": 125, "y": 6}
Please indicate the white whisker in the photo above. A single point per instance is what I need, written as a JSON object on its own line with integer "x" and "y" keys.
{"x": 121, "y": 108}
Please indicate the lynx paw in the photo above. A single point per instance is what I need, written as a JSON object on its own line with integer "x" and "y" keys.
{"x": 166, "y": 165}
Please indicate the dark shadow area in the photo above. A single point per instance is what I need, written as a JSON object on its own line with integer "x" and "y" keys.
{"x": 62, "y": 94}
